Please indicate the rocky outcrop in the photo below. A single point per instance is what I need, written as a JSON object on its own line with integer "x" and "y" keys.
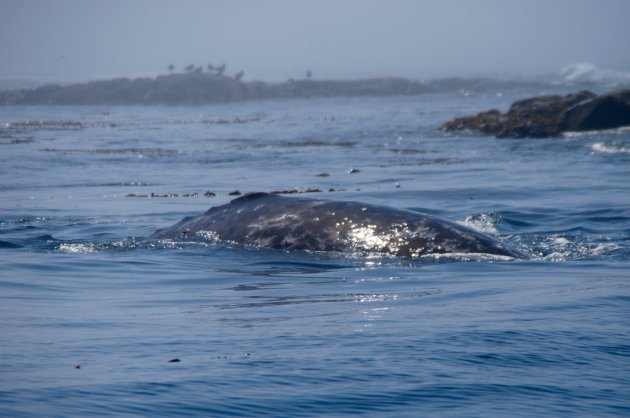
{"x": 548, "y": 116}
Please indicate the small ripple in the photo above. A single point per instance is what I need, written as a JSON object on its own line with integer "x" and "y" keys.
{"x": 9, "y": 244}
{"x": 622, "y": 350}
{"x": 258, "y": 301}
{"x": 141, "y": 152}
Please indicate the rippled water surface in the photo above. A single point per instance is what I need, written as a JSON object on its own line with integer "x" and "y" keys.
{"x": 93, "y": 316}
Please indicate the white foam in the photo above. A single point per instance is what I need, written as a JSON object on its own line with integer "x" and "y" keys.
{"x": 622, "y": 131}
{"x": 561, "y": 241}
{"x": 559, "y": 248}
{"x": 484, "y": 222}
{"x": 600, "y": 249}
{"x": 77, "y": 248}
{"x": 556, "y": 256}
{"x": 469, "y": 257}
{"x": 609, "y": 148}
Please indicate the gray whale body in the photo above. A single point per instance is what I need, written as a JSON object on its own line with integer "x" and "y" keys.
{"x": 293, "y": 223}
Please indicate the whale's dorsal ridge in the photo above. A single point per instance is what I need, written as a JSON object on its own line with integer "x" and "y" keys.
{"x": 251, "y": 196}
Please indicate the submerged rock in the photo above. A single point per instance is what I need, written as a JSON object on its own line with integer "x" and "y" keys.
{"x": 548, "y": 116}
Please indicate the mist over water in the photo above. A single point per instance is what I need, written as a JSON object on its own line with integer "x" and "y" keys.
{"x": 72, "y": 40}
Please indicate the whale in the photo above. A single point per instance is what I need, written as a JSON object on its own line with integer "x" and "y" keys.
{"x": 297, "y": 223}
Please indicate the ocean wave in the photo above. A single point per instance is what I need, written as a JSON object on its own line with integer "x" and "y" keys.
{"x": 587, "y": 73}
{"x": 622, "y": 131}
{"x": 609, "y": 148}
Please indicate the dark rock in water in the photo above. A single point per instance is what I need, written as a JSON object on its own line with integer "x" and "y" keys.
{"x": 538, "y": 117}
{"x": 487, "y": 122}
{"x": 548, "y": 116}
{"x": 607, "y": 111}
{"x": 272, "y": 221}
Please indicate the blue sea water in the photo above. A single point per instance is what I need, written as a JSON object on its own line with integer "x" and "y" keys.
{"x": 92, "y": 314}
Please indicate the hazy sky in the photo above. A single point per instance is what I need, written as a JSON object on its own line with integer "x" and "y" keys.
{"x": 278, "y": 39}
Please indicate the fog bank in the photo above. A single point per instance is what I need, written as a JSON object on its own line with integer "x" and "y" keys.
{"x": 275, "y": 40}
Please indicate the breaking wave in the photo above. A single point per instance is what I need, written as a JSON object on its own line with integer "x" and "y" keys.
{"x": 610, "y": 148}
{"x": 586, "y": 73}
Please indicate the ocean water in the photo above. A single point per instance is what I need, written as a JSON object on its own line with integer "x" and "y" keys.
{"x": 93, "y": 316}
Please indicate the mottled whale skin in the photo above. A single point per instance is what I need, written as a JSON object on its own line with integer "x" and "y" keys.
{"x": 295, "y": 223}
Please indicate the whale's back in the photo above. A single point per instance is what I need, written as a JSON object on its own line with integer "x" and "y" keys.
{"x": 292, "y": 223}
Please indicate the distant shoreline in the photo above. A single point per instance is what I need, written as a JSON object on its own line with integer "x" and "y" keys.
{"x": 206, "y": 88}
